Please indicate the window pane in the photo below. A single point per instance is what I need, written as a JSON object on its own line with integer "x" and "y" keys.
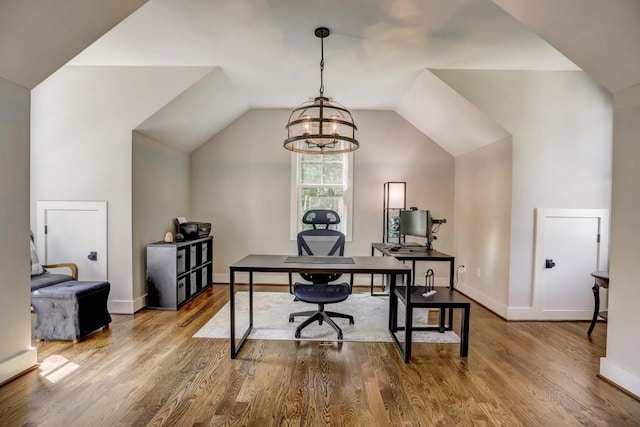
{"x": 311, "y": 173}
{"x": 321, "y": 198}
{"x": 322, "y": 185}
{"x": 334, "y": 158}
{"x": 310, "y": 157}
{"x": 333, "y": 173}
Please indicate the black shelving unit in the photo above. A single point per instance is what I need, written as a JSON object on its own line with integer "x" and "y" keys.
{"x": 177, "y": 272}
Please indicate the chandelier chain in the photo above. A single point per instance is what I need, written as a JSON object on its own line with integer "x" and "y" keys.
{"x": 321, "y": 66}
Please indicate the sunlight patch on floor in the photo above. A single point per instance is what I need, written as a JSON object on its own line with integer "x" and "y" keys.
{"x": 56, "y": 367}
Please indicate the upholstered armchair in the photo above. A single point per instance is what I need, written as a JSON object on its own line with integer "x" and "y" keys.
{"x": 41, "y": 277}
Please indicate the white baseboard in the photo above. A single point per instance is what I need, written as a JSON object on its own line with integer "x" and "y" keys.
{"x": 127, "y": 306}
{"x": 480, "y": 297}
{"x": 140, "y": 303}
{"x": 531, "y": 313}
{"x": 18, "y": 364}
{"x": 619, "y": 376}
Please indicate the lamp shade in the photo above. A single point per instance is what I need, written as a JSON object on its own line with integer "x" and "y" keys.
{"x": 321, "y": 126}
{"x": 396, "y": 195}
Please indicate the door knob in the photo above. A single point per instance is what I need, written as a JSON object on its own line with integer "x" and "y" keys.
{"x": 548, "y": 263}
{"x": 93, "y": 256}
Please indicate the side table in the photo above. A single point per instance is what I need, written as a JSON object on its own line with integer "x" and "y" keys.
{"x": 601, "y": 281}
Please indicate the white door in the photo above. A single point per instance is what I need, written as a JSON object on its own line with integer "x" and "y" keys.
{"x": 571, "y": 250}
{"x": 74, "y": 232}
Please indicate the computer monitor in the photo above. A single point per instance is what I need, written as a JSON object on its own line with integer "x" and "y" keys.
{"x": 420, "y": 224}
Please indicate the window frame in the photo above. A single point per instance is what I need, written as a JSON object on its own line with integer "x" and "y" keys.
{"x": 295, "y": 221}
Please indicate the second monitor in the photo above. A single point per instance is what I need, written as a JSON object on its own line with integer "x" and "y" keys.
{"x": 419, "y": 223}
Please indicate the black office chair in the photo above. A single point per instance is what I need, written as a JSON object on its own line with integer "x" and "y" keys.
{"x": 320, "y": 242}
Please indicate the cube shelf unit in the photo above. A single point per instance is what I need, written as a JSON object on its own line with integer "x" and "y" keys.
{"x": 177, "y": 272}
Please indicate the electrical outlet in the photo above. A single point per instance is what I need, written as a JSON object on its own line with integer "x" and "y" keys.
{"x": 462, "y": 269}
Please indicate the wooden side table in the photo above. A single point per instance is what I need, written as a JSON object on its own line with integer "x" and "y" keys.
{"x": 602, "y": 281}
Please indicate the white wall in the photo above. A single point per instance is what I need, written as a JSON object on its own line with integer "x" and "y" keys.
{"x": 82, "y": 121}
{"x": 483, "y": 223}
{"x": 160, "y": 193}
{"x": 240, "y": 181}
{"x": 16, "y": 353}
{"x": 621, "y": 365}
{"x": 561, "y": 124}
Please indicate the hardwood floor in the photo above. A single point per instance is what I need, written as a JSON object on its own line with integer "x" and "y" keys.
{"x": 147, "y": 370}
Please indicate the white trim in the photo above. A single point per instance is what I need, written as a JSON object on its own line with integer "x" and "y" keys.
{"x": 18, "y": 364}
{"x": 480, "y": 297}
{"x": 127, "y": 306}
{"x": 536, "y": 311}
{"x": 293, "y": 192}
{"x": 619, "y": 376}
{"x": 532, "y": 313}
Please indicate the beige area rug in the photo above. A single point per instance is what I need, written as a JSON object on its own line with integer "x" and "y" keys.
{"x": 271, "y": 320}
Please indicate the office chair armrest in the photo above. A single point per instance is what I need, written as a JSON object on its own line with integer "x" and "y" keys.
{"x": 70, "y": 266}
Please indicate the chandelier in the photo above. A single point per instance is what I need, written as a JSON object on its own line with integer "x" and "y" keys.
{"x": 321, "y": 126}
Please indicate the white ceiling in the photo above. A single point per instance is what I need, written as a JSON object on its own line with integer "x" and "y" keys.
{"x": 38, "y": 37}
{"x": 375, "y": 58}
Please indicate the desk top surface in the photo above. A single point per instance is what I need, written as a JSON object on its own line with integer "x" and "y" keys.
{"x": 412, "y": 252}
{"x": 443, "y": 297}
{"x": 361, "y": 264}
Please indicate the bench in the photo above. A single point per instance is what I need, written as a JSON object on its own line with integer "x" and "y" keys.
{"x": 70, "y": 310}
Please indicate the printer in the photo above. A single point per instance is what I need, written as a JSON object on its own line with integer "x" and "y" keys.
{"x": 192, "y": 230}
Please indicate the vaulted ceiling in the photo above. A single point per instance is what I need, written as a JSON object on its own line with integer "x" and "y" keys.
{"x": 263, "y": 53}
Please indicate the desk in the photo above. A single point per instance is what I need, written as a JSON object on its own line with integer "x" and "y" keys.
{"x": 412, "y": 298}
{"x": 414, "y": 254}
{"x": 277, "y": 264}
{"x": 601, "y": 281}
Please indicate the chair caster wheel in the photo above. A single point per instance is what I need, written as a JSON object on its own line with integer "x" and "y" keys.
{"x": 340, "y": 337}
{"x": 351, "y": 322}
{"x": 297, "y": 334}
{"x": 290, "y": 319}
{"x": 320, "y": 321}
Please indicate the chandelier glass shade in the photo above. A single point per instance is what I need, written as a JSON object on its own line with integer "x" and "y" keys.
{"x": 321, "y": 126}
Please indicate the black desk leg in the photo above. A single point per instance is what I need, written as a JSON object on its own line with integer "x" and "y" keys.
{"x": 372, "y": 253}
{"x": 441, "y": 320}
{"x": 408, "y": 324}
{"x": 250, "y": 300}
{"x": 451, "y": 275}
{"x": 393, "y": 305}
{"x": 232, "y": 307}
{"x": 412, "y": 279}
{"x": 596, "y": 297}
{"x": 464, "y": 339}
{"x": 235, "y": 349}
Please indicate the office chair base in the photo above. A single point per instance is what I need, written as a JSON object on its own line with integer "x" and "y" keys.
{"x": 292, "y": 316}
{"x": 322, "y": 316}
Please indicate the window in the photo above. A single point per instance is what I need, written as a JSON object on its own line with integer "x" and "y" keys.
{"x": 321, "y": 182}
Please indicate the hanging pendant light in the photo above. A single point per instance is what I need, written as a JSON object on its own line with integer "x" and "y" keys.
{"x": 321, "y": 126}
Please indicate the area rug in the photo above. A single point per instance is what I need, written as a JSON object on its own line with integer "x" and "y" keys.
{"x": 271, "y": 320}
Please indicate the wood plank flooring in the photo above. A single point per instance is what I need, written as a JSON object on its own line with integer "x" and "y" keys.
{"x": 147, "y": 370}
